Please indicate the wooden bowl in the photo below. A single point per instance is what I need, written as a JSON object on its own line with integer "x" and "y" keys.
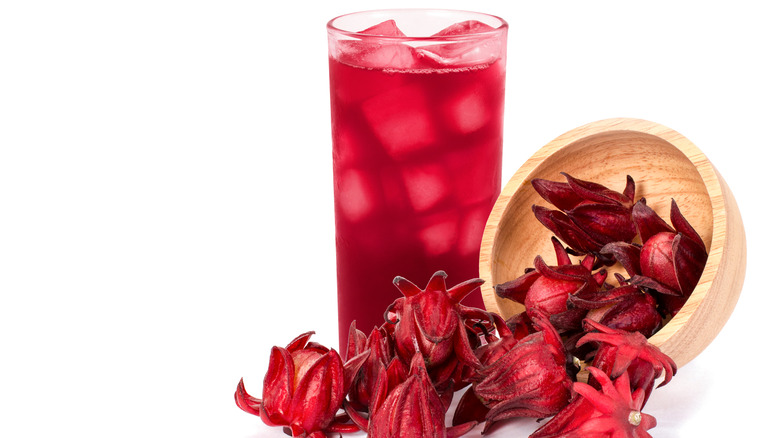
{"x": 665, "y": 165}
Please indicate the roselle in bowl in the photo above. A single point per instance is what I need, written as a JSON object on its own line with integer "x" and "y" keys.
{"x": 631, "y": 161}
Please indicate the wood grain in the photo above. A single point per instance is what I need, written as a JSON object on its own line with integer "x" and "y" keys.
{"x": 665, "y": 165}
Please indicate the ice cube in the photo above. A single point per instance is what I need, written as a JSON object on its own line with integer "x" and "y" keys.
{"x": 384, "y": 54}
{"x": 390, "y": 56}
{"x": 439, "y": 233}
{"x": 426, "y": 184}
{"x": 465, "y": 27}
{"x": 468, "y": 111}
{"x": 385, "y": 28}
{"x": 482, "y": 49}
{"x": 460, "y": 54}
{"x": 401, "y": 120}
{"x": 357, "y": 194}
{"x": 475, "y": 172}
{"x": 379, "y": 53}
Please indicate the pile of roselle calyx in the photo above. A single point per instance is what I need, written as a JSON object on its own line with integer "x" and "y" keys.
{"x": 399, "y": 380}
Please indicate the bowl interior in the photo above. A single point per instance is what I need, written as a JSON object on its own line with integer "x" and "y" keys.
{"x": 661, "y": 172}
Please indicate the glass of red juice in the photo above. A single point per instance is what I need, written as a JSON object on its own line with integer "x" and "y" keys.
{"x": 417, "y": 103}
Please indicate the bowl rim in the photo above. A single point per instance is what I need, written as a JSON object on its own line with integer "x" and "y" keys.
{"x": 709, "y": 175}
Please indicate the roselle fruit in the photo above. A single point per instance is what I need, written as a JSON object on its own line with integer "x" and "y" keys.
{"x": 622, "y": 351}
{"x": 519, "y": 378}
{"x": 613, "y": 411}
{"x": 589, "y": 215}
{"x": 379, "y": 346}
{"x": 671, "y": 260}
{"x": 410, "y": 408}
{"x": 304, "y": 387}
{"x": 432, "y": 321}
{"x": 624, "y": 307}
{"x": 547, "y": 288}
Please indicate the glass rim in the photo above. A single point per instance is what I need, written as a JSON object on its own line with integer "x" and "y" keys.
{"x": 360, "y": 35}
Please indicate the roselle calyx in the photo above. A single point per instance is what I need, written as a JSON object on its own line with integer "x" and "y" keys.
{"x": 621, "y": 351}
{"x": 671, "y": 259}
{"x": 304, "y": 387}
{"x": 624, "y": 307}
{"x": 548, "y": 288}
{"x": 432, "y": 321}
{"x": 519, "y": 378}
{"x": 379, "y": 346}
{"x": 411, "y": 408}
{"x": 589, "y": 215}
{"x": 611, "y": 411}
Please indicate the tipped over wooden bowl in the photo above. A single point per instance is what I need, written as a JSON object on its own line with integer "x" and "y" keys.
{"x": 665, "y": 166}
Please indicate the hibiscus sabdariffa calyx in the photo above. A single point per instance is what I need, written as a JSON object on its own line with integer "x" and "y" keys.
{"x": 432, "y": 321}
{"x": 303, "y": 389}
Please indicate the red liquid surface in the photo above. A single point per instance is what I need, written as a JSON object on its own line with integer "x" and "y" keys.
{"x": 417, "y": 168}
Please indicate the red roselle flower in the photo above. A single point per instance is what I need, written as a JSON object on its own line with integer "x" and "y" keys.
{"x": 589, "y": 216}
{"x": 303, "y": 389}
{"x": 622, "y": 352}
{"x": 379, "y": 346}
{"x": 432, "y": 321}
{"x": 547, "y": 288}
{"x": 671, "y": 260}
{"x": 611, "y": 412}
{"x": 625, "y": 307}
{"x": 411, "y": 408}
{"x": 525, "y": 378}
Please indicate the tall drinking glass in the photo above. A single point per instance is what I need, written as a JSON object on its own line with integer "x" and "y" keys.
{"x": 417, "y": 103}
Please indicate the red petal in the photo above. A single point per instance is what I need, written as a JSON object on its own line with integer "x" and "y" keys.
{"x": 560, "y": 224}
{"x": 604, "y": 223}
{"x": 396, "y": 373}
{"x": 634, "y": 313}
{"x": 360, "y": 421}
{"x": 469, "y": 408}
{"x": 570, "y": 319}
{"x": 407, "y": 288}
{"x": 356, "y": 341}
{"x": 299, "y": 342}
{"x": 463, "y": 349}
{"x": 589, "y": 299}
{"x": 559, "y": 194}
{"x": 577, "y": 273}
{"x": 408, "y": 409}
{"x": 630, "y": 188}
{"x": 647, "y": 221}
{"x": 462, "y": 290}
{"x": 683, "y": 226}
{"x": 689, "y": 260}
{"x": 319, "y": 394}
{"x": 352, "y": 367}
{"x": 625, "y": 253}
{"x": 381, "y": 390}
{"x": 517, "y": 289}
{"x": 435, "y": 315}
{"x": 246, "y": 402}
{"x": 278, "y": 383}
{"x": 651, "y": 283}
{"x": 595, "y": 192}
{"x": 437, "y": 282}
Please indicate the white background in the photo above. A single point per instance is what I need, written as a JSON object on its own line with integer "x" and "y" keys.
{"x": 166, "y": 202}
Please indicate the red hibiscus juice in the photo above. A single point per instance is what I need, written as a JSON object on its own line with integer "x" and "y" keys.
{"x": 417, "y": 139}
